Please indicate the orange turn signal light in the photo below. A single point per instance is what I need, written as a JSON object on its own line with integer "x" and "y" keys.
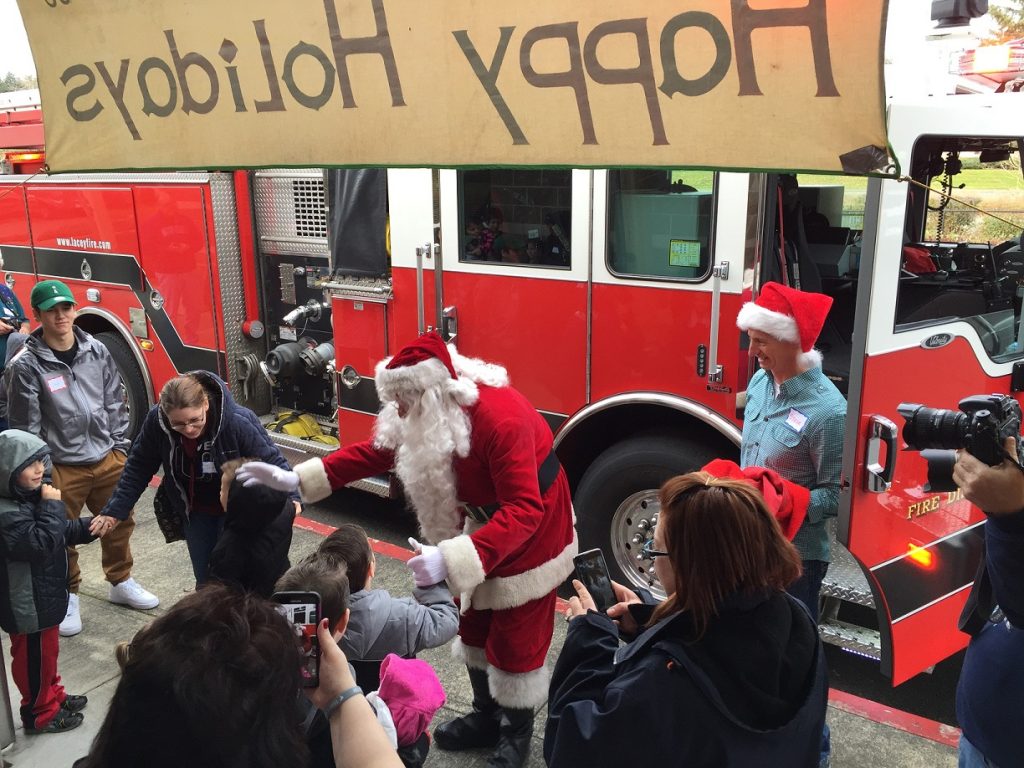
{"x": 921, "y": 556}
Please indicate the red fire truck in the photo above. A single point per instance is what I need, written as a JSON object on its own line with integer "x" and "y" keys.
{"x": 21, "y": 132}
{"x": 611, "y": 297}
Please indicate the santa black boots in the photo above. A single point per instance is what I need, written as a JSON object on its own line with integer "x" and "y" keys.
{"x": 477, "y": 729}
{"x": 515, "y": 732}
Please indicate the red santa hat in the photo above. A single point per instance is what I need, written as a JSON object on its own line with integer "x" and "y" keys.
{"x": 424, "y": 364}
{"x": 787, "y": 314}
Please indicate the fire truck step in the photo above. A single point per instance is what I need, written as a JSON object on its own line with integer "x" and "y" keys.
{"x": 850, "y": 637}
{"x": 845, "y": 580}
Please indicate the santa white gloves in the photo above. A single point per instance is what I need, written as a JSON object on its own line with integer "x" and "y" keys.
{"x": 428, "y": 566}
{"x": 270, "y": 475}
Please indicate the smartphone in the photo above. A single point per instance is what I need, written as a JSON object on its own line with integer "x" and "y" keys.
{"x": 302, "y": 609}
{"x": 592, "y": 570}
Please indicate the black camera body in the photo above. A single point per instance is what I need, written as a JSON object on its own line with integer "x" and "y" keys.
{"x": 980, "y": 426}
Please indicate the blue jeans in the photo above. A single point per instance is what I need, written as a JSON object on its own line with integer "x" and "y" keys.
{"x": 201, "y": 534}
{"x": 806, "y": 589}
{"x": 971, "y": 757}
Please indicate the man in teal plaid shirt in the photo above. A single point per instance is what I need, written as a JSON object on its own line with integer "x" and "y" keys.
{"x": 794, "y": 418}
{"x": 794, "y": 422}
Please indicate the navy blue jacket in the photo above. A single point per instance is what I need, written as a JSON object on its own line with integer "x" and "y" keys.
{"x": 237, "y": 434}
{"x": 752, "y": 692}
{"x": 34, "y": 536}
{"x": 990, "y": 696}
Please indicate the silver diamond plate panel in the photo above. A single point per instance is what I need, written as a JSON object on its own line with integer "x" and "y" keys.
{"x": 844, "y": 578}
{"x": 291, "y": 212}
{"x": 298, "y": 445}
{"x": 865, "y": 642}
{"x": 254, "y": 394}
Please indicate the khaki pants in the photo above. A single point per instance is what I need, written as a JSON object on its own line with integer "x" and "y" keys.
{"x": 91, "y": 485}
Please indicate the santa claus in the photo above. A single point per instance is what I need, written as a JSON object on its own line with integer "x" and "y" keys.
{"x": 477, "y": 464}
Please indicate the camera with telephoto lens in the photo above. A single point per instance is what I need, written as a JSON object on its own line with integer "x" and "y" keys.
{"x": 980, "y": 427}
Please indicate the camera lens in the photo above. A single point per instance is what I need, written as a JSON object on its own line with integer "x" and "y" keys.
{"x": 933, "y": 427}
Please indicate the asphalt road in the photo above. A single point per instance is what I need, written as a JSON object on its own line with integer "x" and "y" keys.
{"x": 927, "y": 695}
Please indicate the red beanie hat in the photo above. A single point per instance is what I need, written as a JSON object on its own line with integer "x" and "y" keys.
{"x": 786, "y": 314}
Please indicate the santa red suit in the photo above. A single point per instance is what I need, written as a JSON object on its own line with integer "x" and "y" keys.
{"x": 477, "y": 465}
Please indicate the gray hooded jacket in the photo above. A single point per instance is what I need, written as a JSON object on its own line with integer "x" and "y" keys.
{"x": 34, "y": 536}
{"x": 380, "y": 624}
{"x": 78, "y": 410}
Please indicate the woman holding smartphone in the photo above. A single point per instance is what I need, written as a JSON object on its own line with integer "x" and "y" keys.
{"x": 728, "y": 647}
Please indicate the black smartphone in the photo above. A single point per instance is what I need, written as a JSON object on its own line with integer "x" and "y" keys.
{"x": 592, "y": 570}
{"x": 302, "y": 609}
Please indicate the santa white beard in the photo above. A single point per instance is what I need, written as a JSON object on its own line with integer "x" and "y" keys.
{"x": 425, "y": 441}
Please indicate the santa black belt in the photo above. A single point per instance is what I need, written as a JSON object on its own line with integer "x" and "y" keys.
{"x": 546, "y": 475}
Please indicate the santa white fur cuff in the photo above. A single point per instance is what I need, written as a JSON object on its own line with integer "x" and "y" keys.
{"x": 465, "y": 571}
{"x": 313, "y": 482}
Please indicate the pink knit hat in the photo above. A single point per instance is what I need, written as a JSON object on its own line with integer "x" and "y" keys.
{"x": 412, "y": 692}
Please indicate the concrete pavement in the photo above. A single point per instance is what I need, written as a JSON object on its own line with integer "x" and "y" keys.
{"x": 87, "y": 666}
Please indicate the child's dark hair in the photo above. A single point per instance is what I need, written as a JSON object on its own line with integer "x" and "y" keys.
{"x": 313, "y": 575}
{"x": 348, "y": 547}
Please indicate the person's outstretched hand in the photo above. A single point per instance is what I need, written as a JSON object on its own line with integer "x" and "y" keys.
{"x": 428, "y": 566}
{"x": 335, "y": 674}
{"x": 270, "y": 475}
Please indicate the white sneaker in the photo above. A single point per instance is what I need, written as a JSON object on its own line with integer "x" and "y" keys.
{"x": 130, "y": 592}
{"x": 72, "y": 623}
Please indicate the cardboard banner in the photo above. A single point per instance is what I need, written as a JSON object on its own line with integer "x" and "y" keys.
{"x": 755, "y": 84}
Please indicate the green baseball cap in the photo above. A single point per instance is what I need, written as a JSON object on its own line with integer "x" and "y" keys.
{"x": 49, "y": 293}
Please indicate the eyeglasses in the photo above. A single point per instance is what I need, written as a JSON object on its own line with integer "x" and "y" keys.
{"x": 650, "y": 552}
{"x": 181, "y": 426}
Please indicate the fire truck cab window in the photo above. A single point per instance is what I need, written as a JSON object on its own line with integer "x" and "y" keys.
{"x": 962, "y": 255}
{"x": 516, "y": 217}
{"x": 659, "y": 223}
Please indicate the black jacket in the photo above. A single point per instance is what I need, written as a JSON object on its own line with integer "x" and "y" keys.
{"x": 34, "y": 535}
{"x": 237, "y": 433}
{"x": 752, "y": 692}
{"x": 252, "y": 551}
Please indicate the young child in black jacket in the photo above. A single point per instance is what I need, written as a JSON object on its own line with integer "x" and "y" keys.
{"x": 252, "y": 551}
{"x": 34, "y": 535}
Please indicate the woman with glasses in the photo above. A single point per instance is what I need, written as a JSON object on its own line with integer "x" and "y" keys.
{"x": 727, "y": 671}
{"x": 195, "y": 428}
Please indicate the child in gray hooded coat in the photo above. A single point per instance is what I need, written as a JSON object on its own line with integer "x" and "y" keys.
{"x": 379, "y": 623}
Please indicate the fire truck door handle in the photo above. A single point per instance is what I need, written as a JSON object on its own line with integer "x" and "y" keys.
{"x": 719, "y": 272}
{"x": 878, "y": 479}
{"x": 450, "y": 324}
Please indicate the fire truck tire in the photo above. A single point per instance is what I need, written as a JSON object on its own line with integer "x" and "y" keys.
{"x": 618, "y": 496}
{"x": 131, "y": 379}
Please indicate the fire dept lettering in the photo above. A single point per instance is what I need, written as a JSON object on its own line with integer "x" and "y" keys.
{"x": 489, "y": 71}
{"x": 932, "y": 503}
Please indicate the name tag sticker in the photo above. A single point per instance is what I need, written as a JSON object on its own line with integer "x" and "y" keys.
{"x": 208, "y": 468}
{"x": 796, "y": 420}
{"x": 57, "y": 383}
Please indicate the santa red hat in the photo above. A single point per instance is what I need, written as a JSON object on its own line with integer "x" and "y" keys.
{"x": 424, "y": 364}
{"x": 786, "y": 500}
{"x": 787, "y": 314}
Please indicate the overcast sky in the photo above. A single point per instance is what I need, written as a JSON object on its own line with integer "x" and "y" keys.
{"x": 906, "y": 17}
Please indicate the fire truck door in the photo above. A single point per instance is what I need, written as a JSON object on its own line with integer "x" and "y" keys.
{"x": 658, "y": 235}
{"x": 937, "y": 320}
{"x": 516, "y": 257}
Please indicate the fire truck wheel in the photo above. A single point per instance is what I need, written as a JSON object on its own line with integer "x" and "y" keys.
{"x": 616, "y": 501}
{"x": 132, "y": 383}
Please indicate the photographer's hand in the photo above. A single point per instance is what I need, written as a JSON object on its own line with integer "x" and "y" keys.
{"x": 995, "y": 490}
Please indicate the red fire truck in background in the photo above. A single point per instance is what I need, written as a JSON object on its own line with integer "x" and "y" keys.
{"x": 611, "y": 296}
{"x": 21, "y": 132}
